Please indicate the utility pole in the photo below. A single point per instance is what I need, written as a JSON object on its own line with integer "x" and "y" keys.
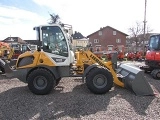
{"x": 144, "y": 34}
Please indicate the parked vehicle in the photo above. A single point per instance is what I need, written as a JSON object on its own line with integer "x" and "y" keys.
{"x": 43, "y": 69}
{"x": 10, "y": 53}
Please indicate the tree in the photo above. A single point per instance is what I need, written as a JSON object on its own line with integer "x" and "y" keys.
{"x": 54, "y": 19}
{"x": 136, "y": 34}
{"x": 135, "y": 31}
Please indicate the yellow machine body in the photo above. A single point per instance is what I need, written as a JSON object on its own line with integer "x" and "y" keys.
{"x": 38, "y": 58}
{"x": 43, "y": 69}
{"x": 88, "y": 58}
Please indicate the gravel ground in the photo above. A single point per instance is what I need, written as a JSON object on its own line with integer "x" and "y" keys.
{"x": 72, "y": 100}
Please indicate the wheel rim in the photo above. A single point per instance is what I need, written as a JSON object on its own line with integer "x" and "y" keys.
{"x": 100, "y": 81}
{"x": 40, "y": 82}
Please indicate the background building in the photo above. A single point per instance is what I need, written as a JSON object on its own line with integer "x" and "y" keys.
{"x": 79, "y": 41}
{"x": 107, "y": 39}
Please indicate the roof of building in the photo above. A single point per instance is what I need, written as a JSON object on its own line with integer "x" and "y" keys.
{"x": 77, "y": 35}
{"x": 105, "y": 28}
{"x": 14, "y": 39}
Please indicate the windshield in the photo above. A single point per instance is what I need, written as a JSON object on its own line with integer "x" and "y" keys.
{"x": 53, "y": 41}
{"x": 154, "y": 43}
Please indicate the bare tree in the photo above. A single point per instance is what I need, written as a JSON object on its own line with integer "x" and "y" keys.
{"x": 135, "y": 31}
{"x": 136, "y": 34}
{"x": 54, "y": 19}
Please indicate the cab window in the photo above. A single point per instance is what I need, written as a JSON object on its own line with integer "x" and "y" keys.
{"x": 53, "y": 41}
{"x": 154, "y": 43}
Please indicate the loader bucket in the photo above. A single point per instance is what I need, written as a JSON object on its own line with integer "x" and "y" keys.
{"x": 134, "y": 80}
{"x": 7, "y": 69}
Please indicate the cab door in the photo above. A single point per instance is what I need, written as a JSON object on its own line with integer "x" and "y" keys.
{"x": 55, "y": 45}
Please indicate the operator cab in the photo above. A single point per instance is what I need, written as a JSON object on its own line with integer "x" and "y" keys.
{"x": 153, "y": 52}
{"x": 54, "y": 42}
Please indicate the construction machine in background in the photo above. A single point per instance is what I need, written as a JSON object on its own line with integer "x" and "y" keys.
{"x": 138, "y": 55}
{"x": 6, "y": 53}
{"x": 134, "y": 56}
{"x": 130, "y": 56}
{"x": 54, "y": 59}
{"x": 152, "y": 57}
{"x": 19, "y": 49}
{"x": 10, "y": 52}
{"x": 120, "y": 50}
{"x": 107, "y": 53}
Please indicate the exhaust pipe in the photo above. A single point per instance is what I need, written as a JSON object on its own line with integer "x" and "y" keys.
{"x": 134, "y": 80}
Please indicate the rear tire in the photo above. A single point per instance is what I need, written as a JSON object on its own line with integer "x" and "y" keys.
{"x": 41, "y": 81}
{"x": 99, "y": 80}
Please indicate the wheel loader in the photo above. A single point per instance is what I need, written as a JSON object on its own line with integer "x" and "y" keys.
{"x": 54, "y": 59}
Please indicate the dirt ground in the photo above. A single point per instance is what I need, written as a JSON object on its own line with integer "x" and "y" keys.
{"x": 71, "y": 99}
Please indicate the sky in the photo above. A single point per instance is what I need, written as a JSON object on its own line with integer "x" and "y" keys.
{"x": 18, "y": 17}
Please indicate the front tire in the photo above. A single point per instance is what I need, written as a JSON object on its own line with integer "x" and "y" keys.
{"x": 99, "y": 80}
{"x": 41, "y": 81}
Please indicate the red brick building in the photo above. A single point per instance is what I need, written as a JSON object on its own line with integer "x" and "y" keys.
{"x": 106, "y": 39}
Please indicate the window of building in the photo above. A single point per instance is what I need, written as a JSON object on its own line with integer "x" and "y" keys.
{"x": 100, "y": 33}
{"x": 96, "y": 41}
{"x": 98, "y": 48}
{"x": 110, "y": 47}
{"x": 114, "y": 32}
{"x": 90, "y": 44}
{"x": 118, "y": 40}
